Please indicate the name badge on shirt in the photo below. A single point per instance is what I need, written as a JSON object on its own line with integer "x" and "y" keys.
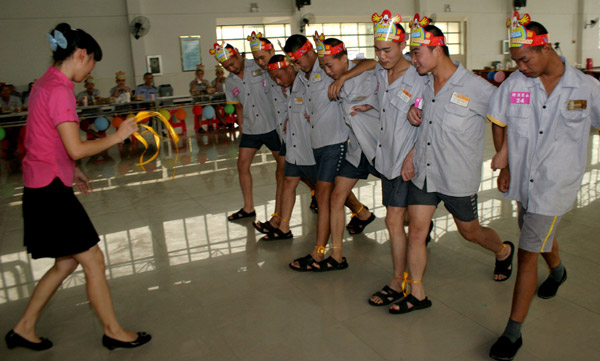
{"x": 257, "y": 72}
{"x": 298, "y": 101}
{"x": 419, "y": 103}
{"x": 358, "y": 99}
{"x": 235, "y": 92}
{"x": 317, "y": 78}
{"x": 578, "y": 104}
{"x": 459, "y": 99}
{"x": 405, "y": 95}
{"x": 520, "y": 97}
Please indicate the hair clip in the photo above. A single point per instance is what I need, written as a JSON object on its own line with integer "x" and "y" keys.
{"x": 57, "y": 40}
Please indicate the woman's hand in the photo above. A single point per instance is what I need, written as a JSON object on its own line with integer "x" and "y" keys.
{"x": 82, "y": 181}
{"x": 127, "y": 128}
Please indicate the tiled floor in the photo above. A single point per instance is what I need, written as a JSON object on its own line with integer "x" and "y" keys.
{"x": 208, "y": 289}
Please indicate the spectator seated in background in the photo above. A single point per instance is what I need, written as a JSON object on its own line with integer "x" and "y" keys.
{"x": 9, "y": 102}
{"x": 146, "y": 91}
{"x": 120, "y": 88}
{"x": 90, "y": 92}
{"x": 219, "y": 81}
{"x": 199, "y": 85}
{"x": 25, "y": 95}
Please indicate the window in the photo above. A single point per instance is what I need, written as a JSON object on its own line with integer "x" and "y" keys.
{"x": 237, "y": 35}
{"x": 453, "y": 32}
{"x": 357, "y": 37}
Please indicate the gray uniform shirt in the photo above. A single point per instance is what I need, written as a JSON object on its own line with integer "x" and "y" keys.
{"x": 280, "y": 102}
{"x": 298, "y": 145}
{"x": 449, "y": 148}
{"x": 253, "y": 93}
{"x": 364, "y": 126}
{"x": 13, "y": 101}
{"x": 396, "y": 135}
{"x": 327, "y": 124}
{"x": 547, "y": 137}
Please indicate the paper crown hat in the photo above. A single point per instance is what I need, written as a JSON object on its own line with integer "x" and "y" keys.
{"x": 221, "y": 52}
{"x": 385, "y": 27}
{"x": 256, "y": 44}
{"x": 326, "y": 49}
{"x": 200, "y": 67}
{"x": 520, "y": 36}
{"x": 120, "y": 74}
{"x": 421, "y": 37}
{"x": 279, "y": 65}
{"x": 298, "y": 53}
{"x": 89, "y": 79}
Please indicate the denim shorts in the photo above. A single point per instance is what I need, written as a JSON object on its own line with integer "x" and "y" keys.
{"x": 329, "y": 160}
{"x": 270, "y": 139}
{"x": 463, "y": 208}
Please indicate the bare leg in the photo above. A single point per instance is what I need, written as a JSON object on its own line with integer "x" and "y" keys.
{"x": 45, "y": 288}
{"x": 485, "y": 237}
{"x": 356, "y": 207}
{"x": 552, "y": 258}
{"x": 420, "y": 218}
{"x": 98, "y": 292}
{"x": 323, "y": 196}
{"x": 525, "y": 285}
{"x": 341, "y": 190}
{"x": 245, "y": 157}
{"x": 279, "y": 177}
{"x": 288, "y": 199}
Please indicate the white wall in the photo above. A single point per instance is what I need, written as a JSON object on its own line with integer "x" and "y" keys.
{"x": 25, "y": 53}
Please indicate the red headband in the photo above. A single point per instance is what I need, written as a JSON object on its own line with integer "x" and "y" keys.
{"x": 303, "y": 50}
{"x": 278, "y": 65}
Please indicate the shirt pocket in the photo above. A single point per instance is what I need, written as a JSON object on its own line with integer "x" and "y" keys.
{"x": 400, "y": 105}
{"x": 456, "y": 117}
{"x": 519, "y": 119}
{"x": 298, "y": 108}
{"x": 572, "y": 125}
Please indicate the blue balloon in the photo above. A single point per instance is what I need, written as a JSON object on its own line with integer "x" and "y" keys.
{"x": 208, "y": 112}
{"x": 491, "y": 74}
{"x": 101, "y": 123}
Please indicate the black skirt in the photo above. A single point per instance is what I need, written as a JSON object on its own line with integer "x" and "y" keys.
{"x": 56, "y": 224}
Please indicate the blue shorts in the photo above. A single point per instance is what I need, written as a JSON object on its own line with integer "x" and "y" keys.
{"x": 303, "y": 171}
{"x": 394, "y": 192}
{"x": 282, "y": 151}
{"x": 270, "y": 139}
{"x": 329, "y": 160}
{"x": 463, "y": 208}
{"x": 347, "y": 170}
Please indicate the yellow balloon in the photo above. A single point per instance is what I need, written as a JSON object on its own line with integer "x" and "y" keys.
{"x": 165, "y": 113}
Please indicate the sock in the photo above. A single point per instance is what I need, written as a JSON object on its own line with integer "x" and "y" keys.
{"x": 557, "y": 272}
{"x": 513, "y": 330}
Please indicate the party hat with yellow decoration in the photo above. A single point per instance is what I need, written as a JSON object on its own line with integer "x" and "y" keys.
{"x": 520, "y": 36}
{"x": 221, "y": 52}
{"x": 256, "y": 44}
{"x": 385, "y": 27}
{"x": 421, "y": 37}
{"x": 326, "y": 49}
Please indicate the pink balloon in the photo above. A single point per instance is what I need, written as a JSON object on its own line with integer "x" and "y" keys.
{"x": 499, "y": 77}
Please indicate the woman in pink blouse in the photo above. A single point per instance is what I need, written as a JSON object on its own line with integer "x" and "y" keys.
{"x": 56, "y": 225}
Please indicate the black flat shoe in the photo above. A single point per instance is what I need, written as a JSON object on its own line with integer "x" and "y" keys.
{"x": 111, "y": 343}
{"x": 13, "y": 340}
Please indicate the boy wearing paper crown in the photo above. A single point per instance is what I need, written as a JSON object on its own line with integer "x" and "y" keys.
{"x": 358, "y": 106}
{"x": 120, "y": 88}
{"x": 246, "y": 88}
{"x": 548, "y": 108}
{"x": 329, "y": 136}
{"x": 90, "y": 92}
{"x": 262, "y": 51}
{"x": 199, "y": 85}
{"x": 447, "y": 157}
{"x": 298, "y": 154}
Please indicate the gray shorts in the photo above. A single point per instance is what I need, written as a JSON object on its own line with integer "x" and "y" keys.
{"x": 537, "y": 231}
{"x": 303, "y": 171}
{"x": 463, "y": 208}
{"x": 394, "y": 192}
{"x": 329, "y": 159}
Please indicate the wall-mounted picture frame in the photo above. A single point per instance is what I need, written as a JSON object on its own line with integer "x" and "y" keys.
{"x": 191, "y": 54}
{"x": 154, "y": 64}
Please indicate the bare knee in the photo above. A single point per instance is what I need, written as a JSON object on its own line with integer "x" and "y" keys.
{"x": 93, "y": 263}
{"x": 66, "y": 266}
{"x": 393, "y": 221}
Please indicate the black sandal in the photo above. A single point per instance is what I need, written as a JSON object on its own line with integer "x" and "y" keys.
{"x": 330, "y": 264}
{"x": 357, "y": 226}
{"x": 304, "y": 263}
{"x": 241, "y": 214}
{"x": 387, "y": 295}
{"x": 504, "y": 267}
{"x": 416, "y": 305}
{"x": 276, "y": 234}
{"x": 263, "y": 228}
